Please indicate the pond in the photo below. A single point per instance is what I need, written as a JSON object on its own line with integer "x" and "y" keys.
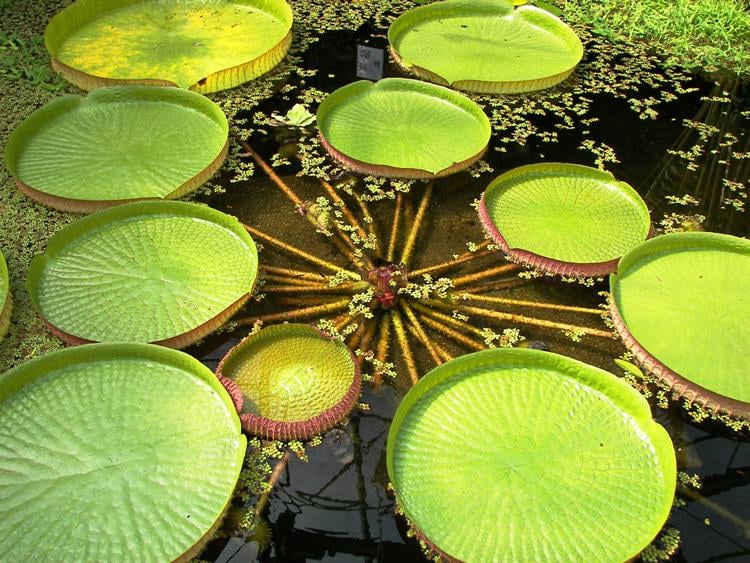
{"x": 680, "y": 139}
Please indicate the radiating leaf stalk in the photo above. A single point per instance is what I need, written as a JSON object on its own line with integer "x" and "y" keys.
{"x": 403, "y": 341}
{"x": 303, "y": 313}
{"x": 381, "y": 354}
{"x": 484, "y": 274}
{"x": 411, "y": 239}
{"x": 432, "y": 347}
{"x": 300, "y": 253}
{"x": 393, "y": 239}
{"x": 480, "y": 252}
{"x": 523, "y": 303}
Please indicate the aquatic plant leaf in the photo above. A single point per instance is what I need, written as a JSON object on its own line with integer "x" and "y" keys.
{"x": 167, "y": 272}
{"x": 114, "y": 452}
{"x": 513, "y": 454}
{"x": 681, "y": 303}
{"x": 485, "y": 45}
{"x": 117, "y": 144}
{"x": 402, "y": 128}
{"x": 290, "y": 381}
{"x": 6, "y": 301}
{"x": 564, "y": 218}
{"x": 202, "y": 45}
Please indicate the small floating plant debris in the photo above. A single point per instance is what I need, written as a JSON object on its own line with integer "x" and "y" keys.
{"x": 290, "y": 381}
{"x": 531, "y": 456}
{"x": 82, "y": 154}
{"x": 100, "y": 461}
{"x": 485, "y": 46}
{"x": 681, "y": 303}
{"x": 402, "y": 128}
{"x": 166, "y": 272}
{"x": 564, "y": 219}
{"x": 203, "y": 46}
{"x": 6, "y": 301}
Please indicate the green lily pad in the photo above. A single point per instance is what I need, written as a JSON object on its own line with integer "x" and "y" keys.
{"x": 564, "y": 219}
{"x": 402, "y": 128}
{"x": 681, "y": 303}
{"x": 485, "y": 46}
{"x": 114, "y": 452}
{"x": 203, "y": 45}
{"x": 166, "y": 272}
{"x": 513, "y": 454}
{"x": 82, "y": 154}
{"x": 290, "y": 381}
{"x": 6, "y": 301}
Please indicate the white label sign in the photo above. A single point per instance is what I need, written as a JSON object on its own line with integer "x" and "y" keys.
{"x": 369, "y": 62}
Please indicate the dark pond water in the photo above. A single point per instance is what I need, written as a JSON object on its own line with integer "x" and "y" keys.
{"x": 335, "y": 507}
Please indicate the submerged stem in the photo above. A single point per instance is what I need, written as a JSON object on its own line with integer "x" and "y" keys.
{"x": 522, "y": 303}
{"x": 295, "y": 274}
{"x": 484, "y": 274}
{"x": 411, "y": 239}
{"x": 432, "y": 348}
{"x": 320, "y": 288}
{"x": 480, "y": 252}
{"x": 278, "y": 469}
{"x": 298, "y": 314}
{"x": 403, "y": 342}
{"x": 521, "y": 319}
{"x": 381, "y": 353}
{"x": 272, "y": 174}
{"x": 395, "y": 227}
{"x": 300, "y": 253}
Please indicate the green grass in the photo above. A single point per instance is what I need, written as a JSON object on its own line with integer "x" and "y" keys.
{"x": 696, "y": 34}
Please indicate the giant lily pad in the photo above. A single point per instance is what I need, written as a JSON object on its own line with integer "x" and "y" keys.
{"x": 202, "y": 45}
{"x": 485, "y": 45}
{"x": 564, "y": 218}
{"x": 529, "y": 456}
{"x": 681, "y": 303}
{"x": 116, "y": 145}
{"x": 6, "y": 302}
{"x": 402, "y": 128}
{"x": 165, "y": 272}
{"x": 290, "y": 381}
{"x": 114, "y": 452}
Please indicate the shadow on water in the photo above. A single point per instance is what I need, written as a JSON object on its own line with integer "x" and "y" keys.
{"x": 335, "y": 506}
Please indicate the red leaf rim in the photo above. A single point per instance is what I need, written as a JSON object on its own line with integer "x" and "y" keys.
{"x": 680, "y": 386}
{"x": 297, "y": 430}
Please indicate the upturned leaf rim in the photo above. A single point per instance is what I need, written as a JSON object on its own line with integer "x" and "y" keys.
{"x": 6, "y": 298}
{"x": 82, "y": 12}
{"x": 527, "y": 256}
{"x": 492, "y": 9}
{"x": 615, "y": 389}
{"x": 127, "y": 212}
{"x": 272, "y": 429}
{"x": 35, "y": 369}
{"x": 680, "y": 385}
{"x": 124, "y": 96}
{"x": 354, "y": 92}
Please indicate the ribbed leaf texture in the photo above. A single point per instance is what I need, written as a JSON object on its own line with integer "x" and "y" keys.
{"x": 522, "y": 455}
{"x": 111, "y": 452}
